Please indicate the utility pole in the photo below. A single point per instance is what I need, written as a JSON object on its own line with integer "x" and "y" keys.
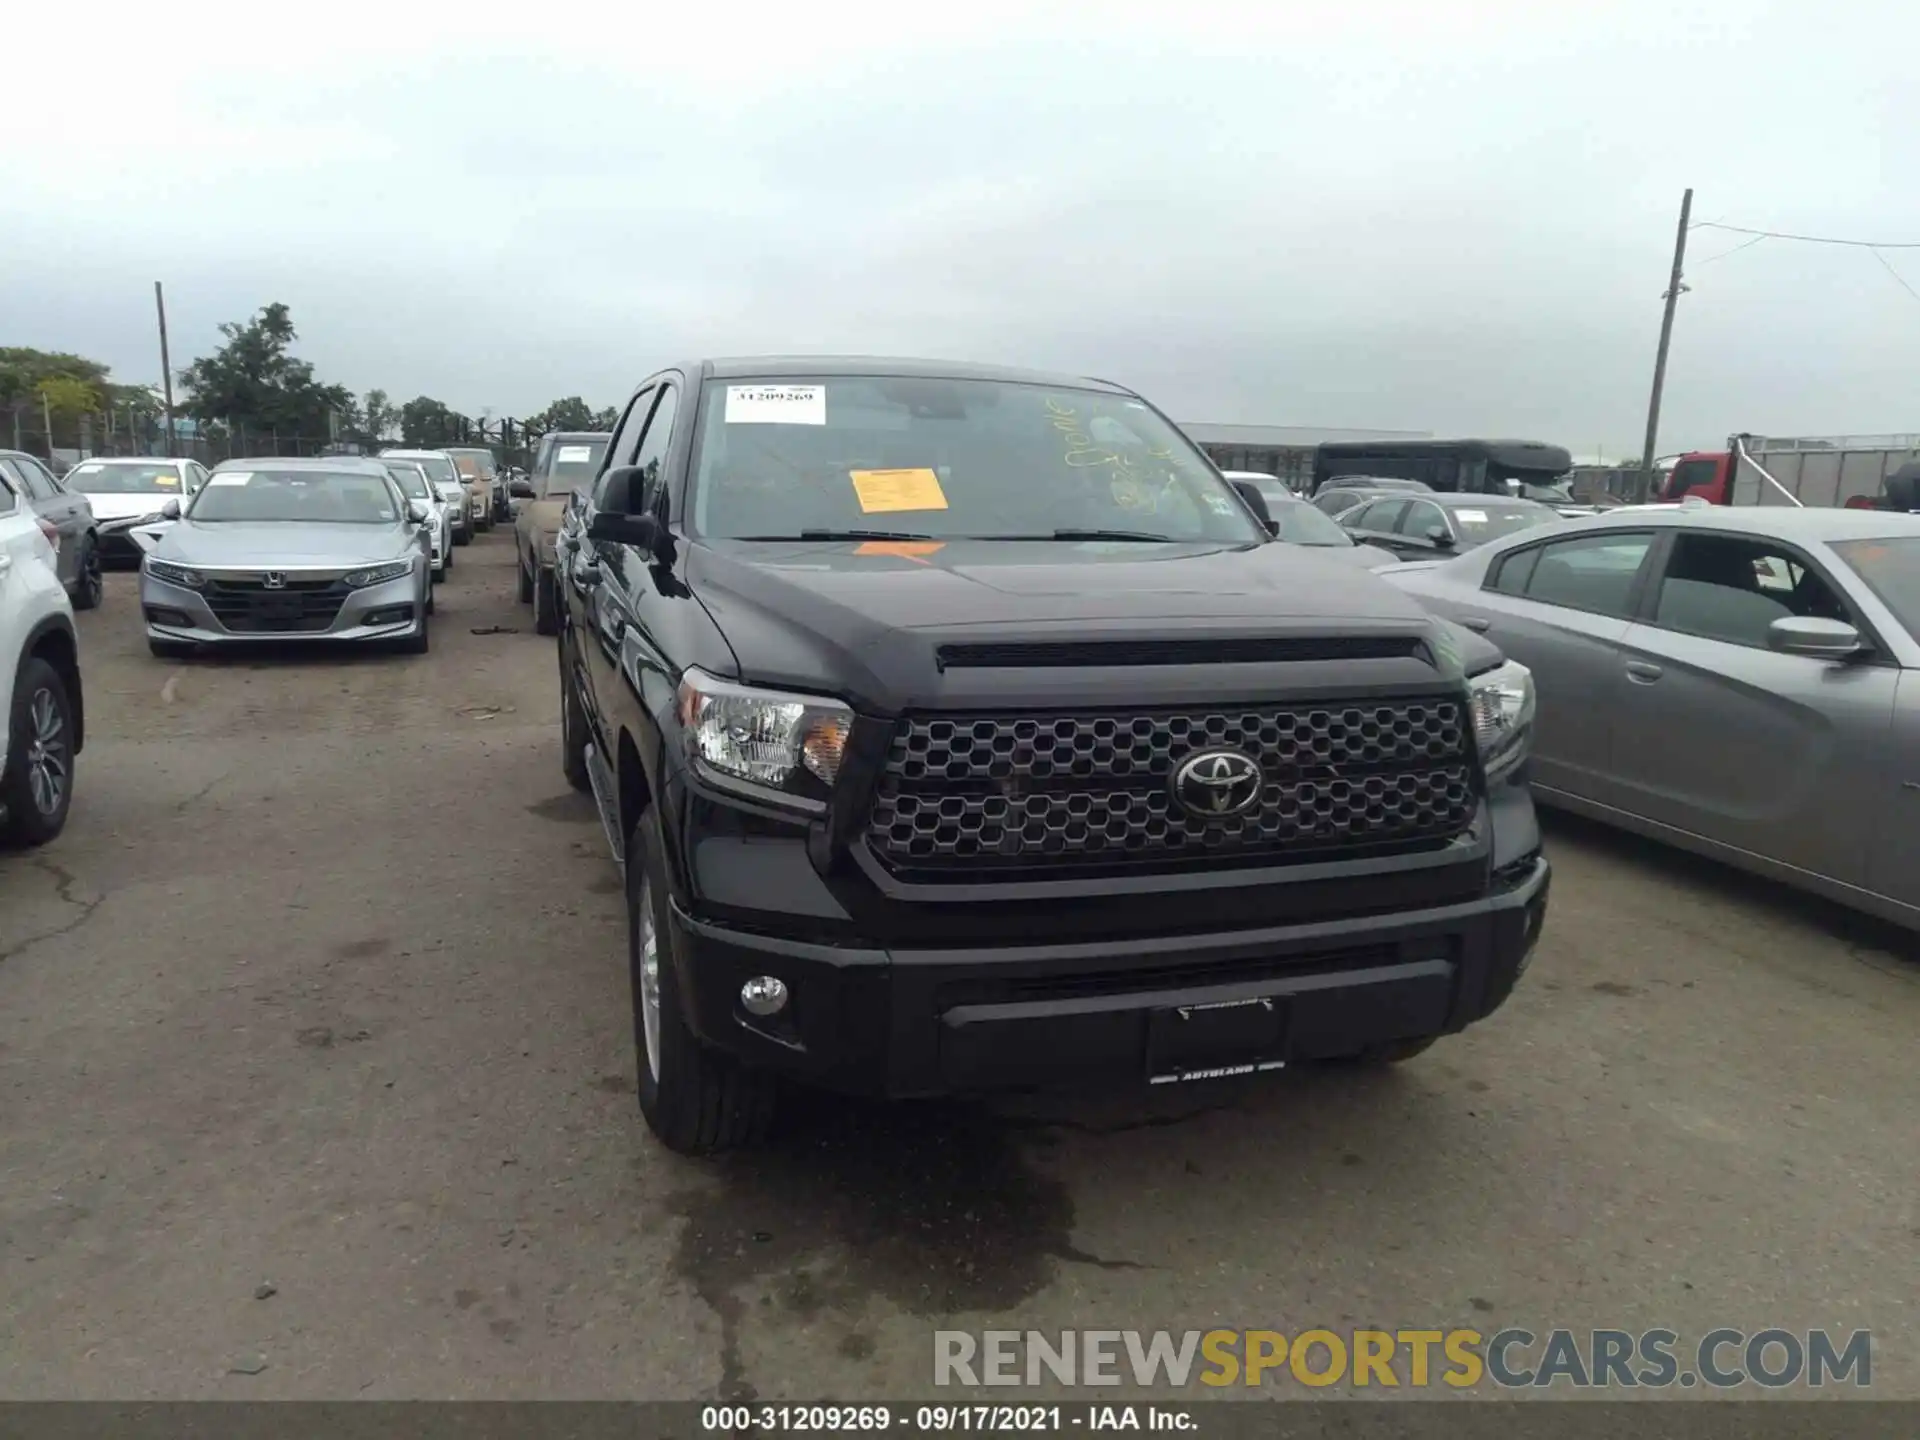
{"x": 166, "y": 363}
{"x": 46, "y": 414}
{"x": 1645, "y": 482}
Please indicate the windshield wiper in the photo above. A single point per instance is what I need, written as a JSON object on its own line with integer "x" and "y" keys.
{"x": 1144, "y": 536}
{"x": 842, "y": 535}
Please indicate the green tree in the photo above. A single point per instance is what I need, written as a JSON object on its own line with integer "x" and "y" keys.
{"x": 68, "y": 396}
{"x": 426, "y": 421}
{"x": 22, "y": 370}
{"x": 568, "y": 414}
{"x": 603, "y": 419}
{"x": 254, "y": 381}
{"x": 378, "y": 416}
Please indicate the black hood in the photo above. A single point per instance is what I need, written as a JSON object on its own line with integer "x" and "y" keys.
{"x": 879, "y": 622}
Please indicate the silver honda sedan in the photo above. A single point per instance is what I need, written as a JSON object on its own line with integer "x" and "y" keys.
{"x": 308, "y": 550}
{"x": 1743, "y": 682}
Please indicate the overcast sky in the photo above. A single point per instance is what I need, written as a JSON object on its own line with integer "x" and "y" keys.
{"x": 1451, "y": 217}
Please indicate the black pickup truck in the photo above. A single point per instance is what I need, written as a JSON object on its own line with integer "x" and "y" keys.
{"x": 961, "y": 728}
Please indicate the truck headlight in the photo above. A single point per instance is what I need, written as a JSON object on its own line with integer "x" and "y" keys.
{"x": 779, "y": 747}
{"x": 1502, "y": 704}
{"x": 176, "y": 574}
{"x": 377, "y": 574}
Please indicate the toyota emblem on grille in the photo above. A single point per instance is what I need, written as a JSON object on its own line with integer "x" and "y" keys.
{"x": 274, "y": 580}
{"x": 1213, "y": 784}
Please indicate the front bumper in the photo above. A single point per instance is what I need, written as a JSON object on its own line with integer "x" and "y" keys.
{"x": 387, "y": 611}
{"x": 117, "y": 545}
{"x": 918, "y": 1022}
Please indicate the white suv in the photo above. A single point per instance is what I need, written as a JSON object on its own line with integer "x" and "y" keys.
{"x": 43, "y": 724}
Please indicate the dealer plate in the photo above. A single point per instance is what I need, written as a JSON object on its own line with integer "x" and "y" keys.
{"x": 1216, "y": 1040}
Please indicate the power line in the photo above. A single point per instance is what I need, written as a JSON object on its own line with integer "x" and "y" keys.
{"x": 1899, "y": 279}
{"x": 1808, "y": 239}
{"x": 1743, "y": 245}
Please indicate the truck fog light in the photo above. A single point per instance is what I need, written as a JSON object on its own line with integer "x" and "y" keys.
{"x": 764, "y": 995}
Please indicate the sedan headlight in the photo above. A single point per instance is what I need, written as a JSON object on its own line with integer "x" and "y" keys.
{"x": 780, "y": 747}
{"x": 1502, "y": 703}
{"x": 176, "y": 574}
{"x": 377, "y": 574}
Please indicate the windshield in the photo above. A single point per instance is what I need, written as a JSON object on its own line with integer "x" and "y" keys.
{"x": 1891, "y": 570}
{"x": 571, "y": 467}
{"x": 1490, "y": 521}
{"x": 319, "y": 496}
{"x": 1550, "y": 492}
{"x": 1301, "y": 524}
{"x": 94, "y": 477}
{"x": 412, "y": 483}
{"x": 918, "y": 457}
{"x": 439, "y": 469}
{"x": 474, "y": 464}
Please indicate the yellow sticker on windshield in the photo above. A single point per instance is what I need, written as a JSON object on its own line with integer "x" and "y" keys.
{"x": 166, "y": 481}
{"x": 884, "y": 491}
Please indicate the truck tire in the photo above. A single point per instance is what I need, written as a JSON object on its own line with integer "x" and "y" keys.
{"x": 573, "y": 733}
{"x": 696, "y": 1101}
{"x": 523, "y": 584}
{"x": 36, "y": 797}
{"x": 546, "y": 605}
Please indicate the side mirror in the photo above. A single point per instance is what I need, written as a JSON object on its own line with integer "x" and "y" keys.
{"x": 520, "y": 489}
{"x": 1251, "y": 497}
{"x": 1813, "y": 636}
{"x": 170, "y": 510}
{"x": 417, "y": 511}
{"x": 1439, "y": 536}
{"x": 615, "y": 528}
{"x": 623, "y": 490}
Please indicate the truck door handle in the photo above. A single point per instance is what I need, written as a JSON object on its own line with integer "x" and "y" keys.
{"x": 6, "y": 563}
{"x": 1479, "y": 624}
{"x": 587, "y": 574}
{"x": 1643, "y": 672}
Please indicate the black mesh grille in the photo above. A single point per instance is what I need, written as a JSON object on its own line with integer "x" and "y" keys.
{"x": 247, "y": 607}
{"x": 1051, "y": 791}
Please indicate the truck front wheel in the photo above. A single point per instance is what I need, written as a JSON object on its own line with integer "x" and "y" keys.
{"x": 696, "y": 1101}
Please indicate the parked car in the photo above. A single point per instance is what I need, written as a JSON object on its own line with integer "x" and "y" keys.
{"x": 482, "y": 473}
{"x": 411, "y": 477}
{"x": 462, "y": 512}
{"x": 128, "y": 491}
{"x": 69, "y": 516}
{"x": 1343, "y": 492}
{"x": 959, "y": 727}
{"x": 1744, "y": 683}
{"x": 45, "y": 718}
{"x": 564, "y": 464}
{"x": 289, "y": 549}
{"x": 1293, "y": 520}
{"x": 1426, "y": 527}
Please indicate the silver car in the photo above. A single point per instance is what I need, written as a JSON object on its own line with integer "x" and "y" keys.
{"x": 445, "y": 478}
{"x": 1741, "y": 682}
{"x": 272, "y": 549}
{"x": 411, "y": 477}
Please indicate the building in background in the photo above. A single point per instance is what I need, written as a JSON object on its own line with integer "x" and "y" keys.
{"x": 1282, "y": 450}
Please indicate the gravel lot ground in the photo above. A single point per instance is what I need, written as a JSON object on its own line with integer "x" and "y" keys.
{"x": 315, "y": 1081}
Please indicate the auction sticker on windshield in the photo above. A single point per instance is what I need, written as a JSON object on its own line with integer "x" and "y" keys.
{"x": 1471, "y": 517}
{"x": 573, "y": 455}
{"x": 777, "y": 405}
{"x": 231, "y": 477}
{"x": 885, "y": 491}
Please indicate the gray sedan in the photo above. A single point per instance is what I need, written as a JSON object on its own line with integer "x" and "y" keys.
{"x": 312, "y": 550}
{"x": 1742, "y": 682}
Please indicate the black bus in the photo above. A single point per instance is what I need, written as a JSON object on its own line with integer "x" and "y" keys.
{"x": 1487, "y": 467}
